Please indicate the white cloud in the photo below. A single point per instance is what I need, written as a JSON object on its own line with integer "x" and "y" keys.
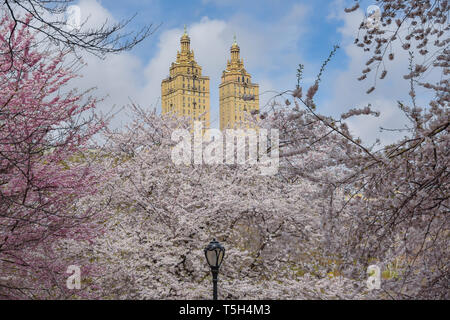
{"x": 94, "y": 14}
{"x": 116, "y": 78}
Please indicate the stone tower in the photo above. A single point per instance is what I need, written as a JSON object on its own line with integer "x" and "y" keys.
{"x": 239, "y": 96}
{"x": 186, "y": 91}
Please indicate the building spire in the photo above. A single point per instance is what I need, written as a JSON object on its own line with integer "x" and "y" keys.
{"x": 234, "y": 51}
{"x": 185, "y": 41}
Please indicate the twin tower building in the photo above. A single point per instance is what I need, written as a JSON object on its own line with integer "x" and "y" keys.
{"x": 186, "y": 91}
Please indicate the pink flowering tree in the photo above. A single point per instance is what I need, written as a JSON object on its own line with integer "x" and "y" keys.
{"x": 44, "y": 167}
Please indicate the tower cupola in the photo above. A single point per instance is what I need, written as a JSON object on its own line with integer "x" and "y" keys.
{"x": 185, "y": 42}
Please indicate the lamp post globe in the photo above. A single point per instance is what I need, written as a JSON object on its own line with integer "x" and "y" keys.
{"x": 214, "y": 254}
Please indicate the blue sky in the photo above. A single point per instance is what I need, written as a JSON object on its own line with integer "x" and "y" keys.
{"x": 274, "y": 37}
{"x": 176, "y": 13}
{"x": 313, "y": 46}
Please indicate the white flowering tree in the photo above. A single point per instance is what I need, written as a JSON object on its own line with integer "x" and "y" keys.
{"x": 162, "y": 215}
{"x": 386, "y": 206}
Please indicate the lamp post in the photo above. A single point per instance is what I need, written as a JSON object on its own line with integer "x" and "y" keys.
{"x": 214, "y": 254}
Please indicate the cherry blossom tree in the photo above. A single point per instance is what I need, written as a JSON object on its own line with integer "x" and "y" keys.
{"x": 387, "y": 205}
{"x": 45, "y": 166}
{"x": 336, "y": 207}
{"x": 162, "y": 215}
